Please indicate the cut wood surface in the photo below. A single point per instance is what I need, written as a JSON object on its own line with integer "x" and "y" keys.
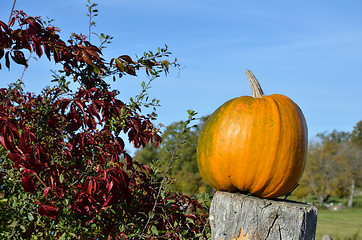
{"x": 239, "y": 216}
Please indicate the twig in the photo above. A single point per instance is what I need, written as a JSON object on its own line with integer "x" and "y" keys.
{"x": 36, "y": 175}
{"x": 291, "y": 191}
{"x": 205, "y": 225}
{"x": 12, "y": 10}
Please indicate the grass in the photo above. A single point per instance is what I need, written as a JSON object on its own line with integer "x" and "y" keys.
{"x": 345, "y": 224}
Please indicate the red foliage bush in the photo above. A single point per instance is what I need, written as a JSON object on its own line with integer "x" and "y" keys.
{"x": 68, "y": 147}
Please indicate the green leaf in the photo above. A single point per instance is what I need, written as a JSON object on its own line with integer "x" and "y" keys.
{"x": 23, "y": 228}
{"x": 63, "y": 236}
{"x": 96, "y": 70}
{"x": 154, "y": 230}
{"x": 30, "y": 216}
{"x": 119, "y": 65}
{"x": 61, "y": 178}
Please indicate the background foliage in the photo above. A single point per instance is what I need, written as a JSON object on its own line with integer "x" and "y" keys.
{"x": 184, "y": 171}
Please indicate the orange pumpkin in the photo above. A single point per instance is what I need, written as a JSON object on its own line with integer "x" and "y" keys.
{"x": 254, "y": 144}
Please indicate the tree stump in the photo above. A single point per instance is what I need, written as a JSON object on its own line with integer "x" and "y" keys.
{"x": 238, "y": 216}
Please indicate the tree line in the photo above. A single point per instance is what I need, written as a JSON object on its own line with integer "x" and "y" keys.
{"x": 334, "y": 163}
{"x": 334, "y": 166}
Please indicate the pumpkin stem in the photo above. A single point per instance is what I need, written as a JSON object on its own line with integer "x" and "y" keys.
{"x": 255, "y": 86}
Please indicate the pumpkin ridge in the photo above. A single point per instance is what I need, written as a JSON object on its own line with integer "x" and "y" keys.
{"x": 240, "y": 178}
{"x": 292, "y": 123}
{"x": 205, "y": 170}
{"x": 273, "y": 159}
{"x": 257, "y": 153}
{"x": 282, "y": 160}
{"x": 231, "y": 175}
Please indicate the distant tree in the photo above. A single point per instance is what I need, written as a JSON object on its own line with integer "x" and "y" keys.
{"x": 334, "y": 165}
{"x": 350, "y": 154}
{"x": 351, "y": 157}
{"x": 319, "y": 172}
{"x": 356, "y": 134}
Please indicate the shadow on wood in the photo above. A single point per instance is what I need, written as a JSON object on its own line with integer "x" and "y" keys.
{"x": 237, "y": 216}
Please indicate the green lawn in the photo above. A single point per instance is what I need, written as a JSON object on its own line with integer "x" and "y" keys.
{"x": 345, "y": 224}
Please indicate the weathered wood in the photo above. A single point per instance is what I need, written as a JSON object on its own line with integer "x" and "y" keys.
{"x": 239, "y": 216}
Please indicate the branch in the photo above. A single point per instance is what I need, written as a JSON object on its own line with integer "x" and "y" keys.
{"x": 12, "y": 10}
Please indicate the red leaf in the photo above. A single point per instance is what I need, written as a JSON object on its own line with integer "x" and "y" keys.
{"x": 91, "y": 186}
{"x": 135, "y": 124}
{"x": 112, "y": 199}
{"x": 5, "y": 27}
{"x": 46, "y": 191}
{"x": 92, "y": 51}
{"x": 1, "y": 52}
{"x": 19, "y": 58}
{"x": 14, "y": 156}
{"x": 84, "y": 56}
{"x": 33, "y": 22}
{"x": 101, "y": 159}
{"x": 27, "y": 181}
{"x": 27, "y": 137}
{"x": 127, "y": 58}
{"x": 157, "y": 140}
{"x": 8, "y": 142}
{"x": 80, "y": 106}
{"x": 12, "y": 21}
{"x": 128, "y": 159}
{"x": 191, "y": 216}
{"x": 121, "y": 142}
{"x": 25, "y": 42}
{"x": 47, "y": 50}
{"x": 131, "y": 71}
{"x": 36, "y": 46}
{"x": 109, "y": 186}
{"x": 7, "y": 60}
{"x": 63, "y": 104}
{"x": 94, "y": 111}
{"x": 2, "y": 141}
{"x": 145, "y": 167}
{"x": 48, "y": 210}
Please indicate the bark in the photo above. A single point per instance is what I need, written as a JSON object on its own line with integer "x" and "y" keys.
{"x": 351, "y": 194}
{"x": 238, "y": 216}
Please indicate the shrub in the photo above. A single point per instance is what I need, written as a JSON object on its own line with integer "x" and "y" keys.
{"x": 65, "y": 172}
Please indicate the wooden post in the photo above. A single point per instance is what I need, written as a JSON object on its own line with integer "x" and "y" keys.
{"x": 238, "y": 216}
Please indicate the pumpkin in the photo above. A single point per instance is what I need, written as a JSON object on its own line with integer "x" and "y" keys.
{"x": 254, "y": 144}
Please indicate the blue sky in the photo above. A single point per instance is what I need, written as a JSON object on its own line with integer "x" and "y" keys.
{"x": 310, "y": 51}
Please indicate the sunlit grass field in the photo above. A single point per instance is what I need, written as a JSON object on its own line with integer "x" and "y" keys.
{"x": 343, "y": 224}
